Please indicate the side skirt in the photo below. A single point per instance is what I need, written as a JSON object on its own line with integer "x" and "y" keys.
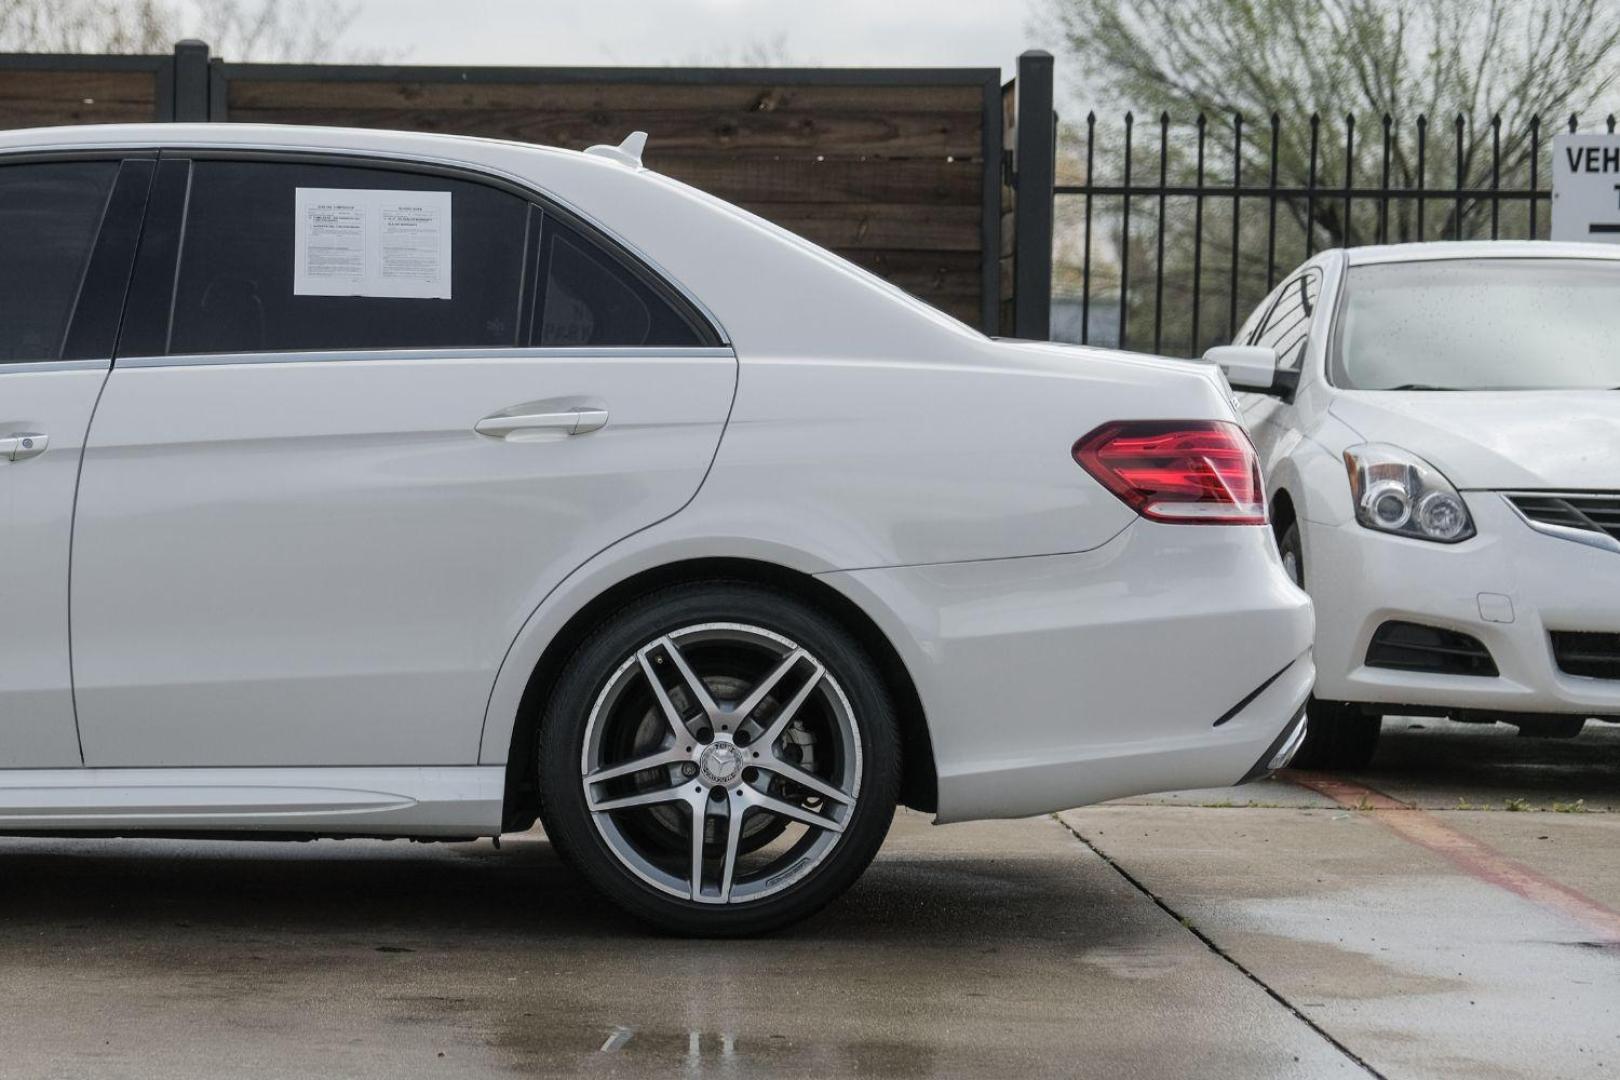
{"x": 426, "y": 801}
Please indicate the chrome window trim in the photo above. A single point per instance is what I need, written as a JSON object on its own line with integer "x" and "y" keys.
{"x": 325, "y": 356}
{"x": 1600, "y": 540}
{"x": 10, "y": 367}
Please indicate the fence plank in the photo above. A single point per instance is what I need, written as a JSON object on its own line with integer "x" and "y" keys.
{"x": 941, "y": 134}
{"x": 932, "y": 275}
{"x": 921, "y": 181}
{"x": 77, "y": 96}
{"x": 865, "y": 226}
{"x": 250, "y": 93}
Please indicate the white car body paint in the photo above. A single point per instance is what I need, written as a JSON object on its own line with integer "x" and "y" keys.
{"x": 1485, "y": 444}
{"x": 344, "y": 575}
{"x": 307, "y": 572}
{"x": 1502, "y": 440}
{"x": 36, "y": 519}
{"x": 451, "y": 802}
{"x": 1085, "y": 669}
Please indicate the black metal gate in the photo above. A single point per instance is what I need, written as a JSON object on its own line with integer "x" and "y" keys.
{"x": 1220, "y": 215}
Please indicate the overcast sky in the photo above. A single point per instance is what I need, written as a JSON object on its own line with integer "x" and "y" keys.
{"x": 882, "y": 33}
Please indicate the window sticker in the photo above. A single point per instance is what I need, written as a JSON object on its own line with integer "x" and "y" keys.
{"x": 361, "y": 242}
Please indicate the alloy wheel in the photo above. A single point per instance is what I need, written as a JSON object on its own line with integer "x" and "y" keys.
{"x": 721, "y": 763}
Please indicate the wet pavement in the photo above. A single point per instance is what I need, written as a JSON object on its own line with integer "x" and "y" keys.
{"x": 1273, "y": 930}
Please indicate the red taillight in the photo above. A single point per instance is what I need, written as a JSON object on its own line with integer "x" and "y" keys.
{"x": 1194, "y": 472}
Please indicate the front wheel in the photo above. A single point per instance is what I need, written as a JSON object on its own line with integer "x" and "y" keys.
{"x": 719, "y": 759}
{"x": 1337, "y": 735}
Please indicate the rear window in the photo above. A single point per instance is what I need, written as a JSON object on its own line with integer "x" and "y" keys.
{"x": 590, "y": 298}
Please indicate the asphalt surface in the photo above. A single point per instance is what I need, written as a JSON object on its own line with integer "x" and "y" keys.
{"x": 1455, "y": 911}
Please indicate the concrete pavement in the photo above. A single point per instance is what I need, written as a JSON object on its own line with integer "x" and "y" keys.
{"x": 1176, "y": 936}
{"x": 1454, "y": 911}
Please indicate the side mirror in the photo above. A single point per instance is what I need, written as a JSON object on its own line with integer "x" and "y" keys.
{"x": 1252, "y": 367}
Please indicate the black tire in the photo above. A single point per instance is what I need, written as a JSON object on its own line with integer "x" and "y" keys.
{"x": 1292, "y": 550}
{"x": 564, "y": 809}
{"x": 1548, "y": 727}
{"x": 1338, "y": 735}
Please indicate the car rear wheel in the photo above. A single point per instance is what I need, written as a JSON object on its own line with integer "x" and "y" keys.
{"x": 1338, "y": 735}
{"x": 719, "y": 759}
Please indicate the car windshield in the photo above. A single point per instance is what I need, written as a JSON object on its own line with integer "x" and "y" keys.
{"x": 1481, "y": 324}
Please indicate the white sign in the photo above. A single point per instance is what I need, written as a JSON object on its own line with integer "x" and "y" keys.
{"x": 354, "y": 242}
{"x": 1586, "y": 188}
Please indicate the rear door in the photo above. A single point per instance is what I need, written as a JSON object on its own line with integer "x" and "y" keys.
{"x": 67, "y": 235}
{"x": 364, "y": 417}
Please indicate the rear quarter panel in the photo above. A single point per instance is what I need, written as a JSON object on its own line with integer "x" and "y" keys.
{"x": 845, "y": 465}
{"x": 886, "y": 462}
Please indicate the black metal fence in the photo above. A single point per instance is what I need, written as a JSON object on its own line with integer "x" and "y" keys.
{"x": 1175, "y": 263}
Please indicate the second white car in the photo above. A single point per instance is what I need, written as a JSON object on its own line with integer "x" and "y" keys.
{"x": 1440, "y": 427}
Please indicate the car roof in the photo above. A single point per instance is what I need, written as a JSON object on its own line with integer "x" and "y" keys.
{"x": 91, "y": 136}
{"x": 1477, "y": 249}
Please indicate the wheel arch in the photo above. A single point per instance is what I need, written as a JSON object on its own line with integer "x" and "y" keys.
{"x": 1283, "y": 513}
{"x": 919, "y": 782}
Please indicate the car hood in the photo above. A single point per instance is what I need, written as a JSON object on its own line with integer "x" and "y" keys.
{"x": 1520, "y": 439}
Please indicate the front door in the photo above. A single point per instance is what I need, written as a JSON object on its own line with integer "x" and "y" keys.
{"x": 390, "y": 411}
{"x": 67, "y": 234}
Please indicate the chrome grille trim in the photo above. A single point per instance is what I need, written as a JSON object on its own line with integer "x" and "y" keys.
{"x": 1590, "y": 518}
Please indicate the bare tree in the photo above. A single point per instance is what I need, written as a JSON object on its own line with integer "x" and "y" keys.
{"x": 772, "y": 51}
{"x": 306, "y": 31}
{"x": 266, "y": 30}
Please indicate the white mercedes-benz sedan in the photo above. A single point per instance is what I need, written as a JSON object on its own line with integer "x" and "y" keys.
{"x": 370, "y": 484}
{"x": 1440, "y": 428}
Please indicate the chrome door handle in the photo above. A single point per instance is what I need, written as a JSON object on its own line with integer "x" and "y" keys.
{"x": 571, "y": 422}
{"x": 23, "y": 445}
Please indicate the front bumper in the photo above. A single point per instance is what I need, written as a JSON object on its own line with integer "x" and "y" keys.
{"x": 1057, "y": 681}
{"x": 1508, "y": 587}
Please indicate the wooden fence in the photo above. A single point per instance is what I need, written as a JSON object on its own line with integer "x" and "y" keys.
{"x": 898, "y": 170}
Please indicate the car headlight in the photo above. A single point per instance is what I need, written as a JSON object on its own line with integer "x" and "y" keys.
{"x": 1400, "y": 493}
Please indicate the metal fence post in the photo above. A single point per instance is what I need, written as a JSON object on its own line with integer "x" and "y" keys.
{"x": 191, "y": 82}
{"x": 1035, "y": 172}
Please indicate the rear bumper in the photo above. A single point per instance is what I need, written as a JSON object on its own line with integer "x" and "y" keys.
{"x": 1281, "y": 752}
{"x": 1171, "y": 657}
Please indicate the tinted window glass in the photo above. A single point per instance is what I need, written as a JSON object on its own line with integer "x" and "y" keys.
{"x": 591, "y": 298}
{"x": 235, "y": 291}
{"x": 1289, "y": 325}
{"x": 1246, "y": 332}
{"x": 49, "y": 215}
